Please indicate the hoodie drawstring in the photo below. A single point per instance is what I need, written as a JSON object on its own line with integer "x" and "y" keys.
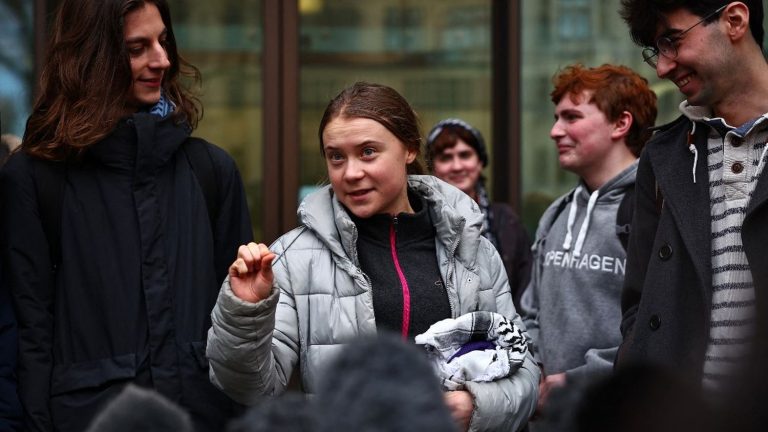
{"x": 692, "y": 149}
{"x": 571, "y": 219}
{"x": 585, "y": 225}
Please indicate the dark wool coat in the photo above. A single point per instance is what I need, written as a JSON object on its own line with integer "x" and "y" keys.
{"x": 668, "y": 286}
{"x": 140, "y": 271}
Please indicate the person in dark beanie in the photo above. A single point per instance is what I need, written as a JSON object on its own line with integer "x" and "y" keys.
{"x": 456, "y": 154}
{"x": 141, "y": 409}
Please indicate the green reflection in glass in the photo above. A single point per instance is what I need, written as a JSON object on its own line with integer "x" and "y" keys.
{"x": 437, "y": 54}
{"x": 224, "y": 40}
{"x": 556, "y": 33}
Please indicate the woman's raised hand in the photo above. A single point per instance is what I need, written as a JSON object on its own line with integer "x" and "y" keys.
{"x": 250, "y": 276}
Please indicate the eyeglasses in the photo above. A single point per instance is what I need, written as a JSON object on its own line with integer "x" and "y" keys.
{"x": 667, "y": 45}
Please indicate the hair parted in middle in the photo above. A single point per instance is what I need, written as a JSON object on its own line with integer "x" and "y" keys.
{"x": 614, "y": 89}
{"x": 86, "y": 78}
{"x": 383, "y": 105}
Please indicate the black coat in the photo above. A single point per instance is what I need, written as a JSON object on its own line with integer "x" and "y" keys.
{"x": 667, "y": 295}
{"x": 140, "y": 271}
{"x": 514, "y": 246}
{"x": 10, "y": 409}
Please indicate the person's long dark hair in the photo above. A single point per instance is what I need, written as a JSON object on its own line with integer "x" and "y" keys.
{"x": 86, "y": 79}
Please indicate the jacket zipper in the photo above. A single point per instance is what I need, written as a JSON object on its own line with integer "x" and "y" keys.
{"x": 403, "y": 282}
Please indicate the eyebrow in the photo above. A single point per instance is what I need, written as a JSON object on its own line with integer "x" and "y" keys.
{"x": 567, "y": 111}
{"x": 366, "y": 142}
{"x": 137, "y": 39}
{"x": 669, "y": 32}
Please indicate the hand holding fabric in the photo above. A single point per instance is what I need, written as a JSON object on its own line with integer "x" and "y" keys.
{"x": 479, "y": 346}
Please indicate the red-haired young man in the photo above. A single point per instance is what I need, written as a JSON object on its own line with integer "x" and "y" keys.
{"x": 572, "y": 304}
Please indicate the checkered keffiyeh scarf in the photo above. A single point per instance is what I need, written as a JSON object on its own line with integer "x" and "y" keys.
{"x": 478, "y": 347}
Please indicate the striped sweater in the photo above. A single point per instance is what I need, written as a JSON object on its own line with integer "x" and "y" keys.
{"x": 734, "y": 164}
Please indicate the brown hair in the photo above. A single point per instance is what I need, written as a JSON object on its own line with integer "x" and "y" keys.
{"x": 381, "y": 104}
{"x": 615, "y": 89}
{"x": 448, "y": 139}
{"x": 86, "y": 79}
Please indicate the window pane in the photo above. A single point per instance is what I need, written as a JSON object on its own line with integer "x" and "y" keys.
{"x": 224, "y": 40}
{"x": 437, "y": 54}
{"x": 557, "y": 33}
{"x": 16, "y": 64}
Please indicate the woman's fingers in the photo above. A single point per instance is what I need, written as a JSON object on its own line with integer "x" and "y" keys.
{"x": 251, "y": 273}
{"x": 266, "y": 265}
{"x": 252, "y": 256}
{"x": 238, "y": 268}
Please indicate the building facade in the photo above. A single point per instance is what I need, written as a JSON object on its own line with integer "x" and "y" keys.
{"x": 269, "y": 68}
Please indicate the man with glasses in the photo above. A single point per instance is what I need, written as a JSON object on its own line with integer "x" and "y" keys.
{"x": 695, "y": 261}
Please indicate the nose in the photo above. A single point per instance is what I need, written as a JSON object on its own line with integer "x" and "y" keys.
{"x": 664, "y": 66}
{"x": 557, "y": 130}
{"x": 159, "y": 57}
{"x": 353, "y": 171}
{"x": 455, "y": 163}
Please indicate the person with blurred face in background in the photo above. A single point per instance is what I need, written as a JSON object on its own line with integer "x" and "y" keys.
{"x": 457, "y": 154}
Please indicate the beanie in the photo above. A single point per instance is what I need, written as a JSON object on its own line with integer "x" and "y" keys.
{"x": 478, "y": 144}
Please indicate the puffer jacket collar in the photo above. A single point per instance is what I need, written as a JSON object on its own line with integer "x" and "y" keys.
{"x": 457, "y": 219}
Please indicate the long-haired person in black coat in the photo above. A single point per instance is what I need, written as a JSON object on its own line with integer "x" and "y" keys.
{"x": 119, "y": 226}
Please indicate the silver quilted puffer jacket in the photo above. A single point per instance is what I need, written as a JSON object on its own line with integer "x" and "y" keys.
{"x": 321, "y": 299}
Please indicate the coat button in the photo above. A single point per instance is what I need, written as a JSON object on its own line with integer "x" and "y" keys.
{"x": 665, "y": 252}
{"x": 654, "y": 322}
{"x": 737, "y": 167}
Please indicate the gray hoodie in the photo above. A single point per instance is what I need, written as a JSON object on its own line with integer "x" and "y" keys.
{"x": 572, "y": 305}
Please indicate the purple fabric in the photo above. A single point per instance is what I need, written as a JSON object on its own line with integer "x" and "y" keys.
{"x": 473, "y": 346}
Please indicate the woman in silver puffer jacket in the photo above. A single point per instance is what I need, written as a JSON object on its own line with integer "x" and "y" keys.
{"x": 380, "y": 248}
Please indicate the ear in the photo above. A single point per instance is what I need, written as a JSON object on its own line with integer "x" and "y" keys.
{"x": 737, "y": 19}
{"x": 410, "y": 156}
{"x": 622, "y": 125}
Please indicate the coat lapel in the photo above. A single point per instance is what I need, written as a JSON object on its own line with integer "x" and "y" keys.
{"x": 760, "y": 194}
{"x": 687, "y": 202}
